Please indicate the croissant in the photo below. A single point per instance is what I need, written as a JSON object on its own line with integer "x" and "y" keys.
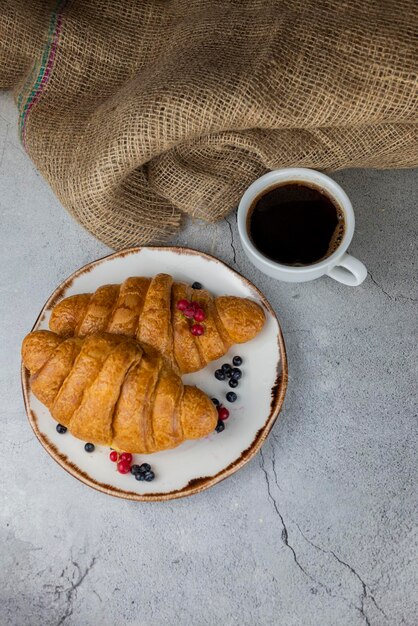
{"x": 108, "y": 391}
{"x": 146, "y": 308}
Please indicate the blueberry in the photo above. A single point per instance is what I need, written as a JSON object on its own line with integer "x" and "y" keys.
{"x": 215, "y": 401}
{"x": 236, "y": 373}
{"x": 226, "y": 368}
{"x": 61, "y": 429}
{"x": 89, "y": 447}
{"x": 231, "y": 396}
{"x": 220, "y": 426}
{"x": 220, "y": 375}
{"x": 233, "y": 383}
{"x": 196, "y": 285}
{"x": 144, "y": 468}
{"x": 139, "y": 476}
{"x": 237, "y": 361}
{"x": 149, "y": 476}
{"x": 135, "y": 469}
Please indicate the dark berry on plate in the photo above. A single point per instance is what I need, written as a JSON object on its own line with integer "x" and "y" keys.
{"x": 223, "y": 413}
{"x": 220, "y": 375}
{"x": 231, "y": 396}
{"x": 135, "y": 469}
{"x": 215, "y": 401}
{"x": 233, "y": 383}
{"x": 226, "y": 368}
{"x": 144, "y": 468}
{"x": 237, "y": 361}
{"x": 196, "y": 285}
{"x": 220, "y": 426}
{"x": 149, "y": 476}
{"x": 61, "y": 429}
{"x": 236, "y": 373}
{"x": 126, "y": 456}
{"x": 139, "y": 476}
{"x": 113, "y": 456}
{"x": 89, "y": 447}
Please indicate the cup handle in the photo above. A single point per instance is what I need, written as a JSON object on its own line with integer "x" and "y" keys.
{"x": 353, "y": 272}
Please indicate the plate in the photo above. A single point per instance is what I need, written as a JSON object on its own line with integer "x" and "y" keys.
{"x": 194, "y": 465}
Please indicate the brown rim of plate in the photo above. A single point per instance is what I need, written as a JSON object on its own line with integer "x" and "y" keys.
{"x": 195, "y": 485}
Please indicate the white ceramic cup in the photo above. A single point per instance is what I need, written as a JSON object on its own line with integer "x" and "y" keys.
{"x": 339, "y": 265}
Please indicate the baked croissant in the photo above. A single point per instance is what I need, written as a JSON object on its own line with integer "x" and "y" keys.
{"x": 146, "y": 308}
{"x": 108, "y": 391}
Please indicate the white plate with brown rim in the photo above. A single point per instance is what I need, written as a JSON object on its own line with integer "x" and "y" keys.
{"x": 194, "y": 465}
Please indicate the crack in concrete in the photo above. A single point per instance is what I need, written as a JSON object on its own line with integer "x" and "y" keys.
{"x": 72, "y": 589}
{"x": 381, "y": 288}
{"x": 273, "y": 464}
{"x": 393, "y": 298}
{"x": 68, "y": 613}
{"x": 232, "y": 240}
{"x": 96, "y": 594}
{"x": 285, "y": 534}
{"x": 285, "y": 539}
{"x": 365, "y": 591}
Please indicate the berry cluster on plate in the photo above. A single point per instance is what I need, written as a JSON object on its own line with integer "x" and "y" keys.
{"x": 123, "y": 460}
{"x": 232, "y": 374}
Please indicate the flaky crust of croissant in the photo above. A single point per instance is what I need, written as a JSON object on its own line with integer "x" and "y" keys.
{"x": 108, "y": 391}
{"x": 145, "y": 308}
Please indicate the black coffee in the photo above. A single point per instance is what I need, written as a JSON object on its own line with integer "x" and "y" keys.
{"x": 295, "y": 224}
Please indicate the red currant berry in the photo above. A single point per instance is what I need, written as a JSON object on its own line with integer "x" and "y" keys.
{"x": 126, "y": 456}
{"x": 197, "y": 330}
{"x": 182, "y": 305}
{"x": 189, "y": 312}
{"x": 113, "y": 456}
{"x": 223, "y": 413}
{"x": 123, "y": 467}
{"x": 199, "y": 315}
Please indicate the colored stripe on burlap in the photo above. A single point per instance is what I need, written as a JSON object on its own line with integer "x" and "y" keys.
{"x": 42, "y": 69}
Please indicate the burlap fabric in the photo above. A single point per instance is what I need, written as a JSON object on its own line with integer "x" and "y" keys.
{"x": 138, "y": 111}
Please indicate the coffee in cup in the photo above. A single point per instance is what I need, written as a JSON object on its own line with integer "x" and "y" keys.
{"x": 295, "y": 224}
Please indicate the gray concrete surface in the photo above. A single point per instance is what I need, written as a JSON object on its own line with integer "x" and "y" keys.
{"x": 319, "y": 529}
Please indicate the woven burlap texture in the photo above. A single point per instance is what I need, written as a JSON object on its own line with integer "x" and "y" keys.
{"x": 155, "y": 108}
